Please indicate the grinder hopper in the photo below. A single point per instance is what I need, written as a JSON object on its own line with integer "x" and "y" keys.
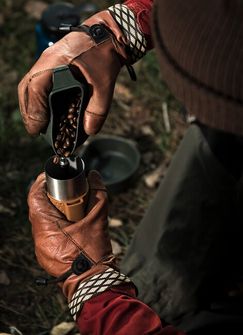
{"x": 65, "y": 89}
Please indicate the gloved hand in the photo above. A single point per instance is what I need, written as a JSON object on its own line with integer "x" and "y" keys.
{"x": 83, "y": 246}
{"x": 97, "y": 53}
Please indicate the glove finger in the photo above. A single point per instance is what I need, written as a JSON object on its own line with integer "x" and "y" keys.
{"x": 97, "y": 193}
{"x": 95, "y": 114}
{"x": 102, "y": 87}
{"x": 42, "y": 213}
{"x": 86, "y": 232}
{"x": 95, "y": 181}
{"x": 100, "y": 101}
{"x": 23, "y": 98}
{"x": 33, "y": 99}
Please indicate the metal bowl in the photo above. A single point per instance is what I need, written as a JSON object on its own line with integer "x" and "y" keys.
{"x": 115, "y": 158}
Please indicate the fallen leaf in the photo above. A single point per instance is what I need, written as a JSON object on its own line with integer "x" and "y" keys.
{"x": 115, "y": 222}
{"x": 116, "y": 248}
{"x": 4, "y": 280}
{"x": 153, "y": 178}
{"x": 63, "y": 328}
{"x": 35, "y": 8}
{"x": 147, "y": 130}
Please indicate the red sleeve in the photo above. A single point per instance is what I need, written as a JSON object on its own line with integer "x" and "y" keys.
{"x": 142, "y": 10}
{"x": 118, "y": 312}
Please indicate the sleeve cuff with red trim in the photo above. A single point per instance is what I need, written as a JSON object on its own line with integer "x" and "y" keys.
{"x": 95, "y": 285}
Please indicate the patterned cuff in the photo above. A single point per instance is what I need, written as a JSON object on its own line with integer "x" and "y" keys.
{"x": 128, "y": 23}
{"x": 94, "y": 286}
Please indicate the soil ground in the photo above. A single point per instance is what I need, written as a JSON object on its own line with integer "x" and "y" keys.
{"x": 136, "y": 114}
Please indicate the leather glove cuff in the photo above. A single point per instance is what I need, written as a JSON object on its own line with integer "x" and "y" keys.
{"x": 126, "y": 19}
{"x": 93, "y": 286}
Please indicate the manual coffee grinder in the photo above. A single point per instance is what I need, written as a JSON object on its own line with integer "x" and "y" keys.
{"x": 67, "y": 187}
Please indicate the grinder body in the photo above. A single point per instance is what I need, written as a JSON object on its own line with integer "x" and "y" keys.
{"x": 67, "y": 187}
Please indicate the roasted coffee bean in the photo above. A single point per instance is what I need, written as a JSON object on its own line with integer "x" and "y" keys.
{"x": 67, "y": 142}
{"x": 71, "y": 110}
{"x": 65, "y": 138}
{"x": 56, "y": 159}
{"x": 63, "y": 128}
{"x": 59, "y": 151}
{"x": 57, "y": 144}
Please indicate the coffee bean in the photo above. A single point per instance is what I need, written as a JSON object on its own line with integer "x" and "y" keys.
{"x": 56, "y": 159}
{"x": 63, "y": 137}
{"x": 59, "y": 151}
{"x": 64, "y": 141}
{"x": 62, "y": 128}
{"x": 67, "y": 142}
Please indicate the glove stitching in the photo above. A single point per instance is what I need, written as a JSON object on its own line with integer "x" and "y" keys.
{"x": 82, "y": 53}
{"x": 92, "y": 113}
{"x": 36, "y": 74}
{"x": 98, "y": 189}
{"x": 69, "y": 237}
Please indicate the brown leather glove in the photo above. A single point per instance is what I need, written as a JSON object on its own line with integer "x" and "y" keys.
{"x": 97, "y": 53}
{"x": 58, "y": 242}
{"x": 83, "y": 247}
